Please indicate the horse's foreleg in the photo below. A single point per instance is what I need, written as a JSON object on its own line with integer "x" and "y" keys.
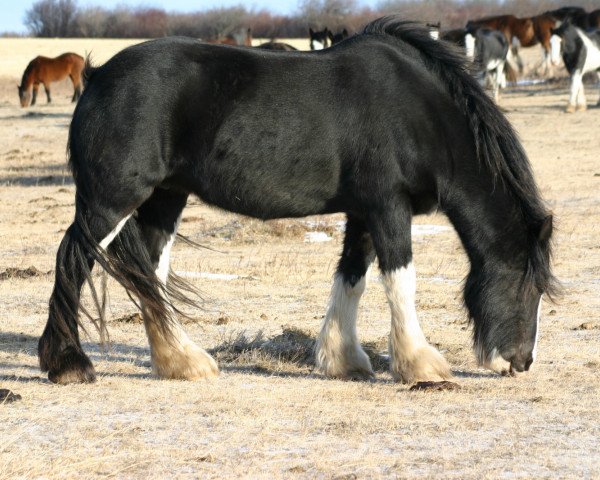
{"x": 59, "y": 349}
{"x": 412, "y": 359}
{"x": 174, "y": 355}
{"x": 338, "y": 352}
{"x": 576, "y": 85}
{"x": 34, "y": 92}
{"x": 47, "y": 89}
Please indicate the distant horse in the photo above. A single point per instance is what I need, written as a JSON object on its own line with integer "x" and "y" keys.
{"x": 489, "y": 51}
{"x": 578, "y": 17}
{"x": 46, "y": 70}
{"x": 280, "y": 46}
{"x": 581, "y": 54}
{"x": 402, "y": 130}
{"x": 242, "y": 37}
{"x": 319, "y": 39}
{"x": 518, "y": 32}
{"x": 337, "y": 37}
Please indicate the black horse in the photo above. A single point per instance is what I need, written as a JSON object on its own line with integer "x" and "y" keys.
{"x": 406, "y": 130}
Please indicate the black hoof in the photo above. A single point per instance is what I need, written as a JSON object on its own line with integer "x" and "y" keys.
{"x": 69, "y": 366}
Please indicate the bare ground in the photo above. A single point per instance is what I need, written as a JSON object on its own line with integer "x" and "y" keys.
{"x": 269, "y": 414}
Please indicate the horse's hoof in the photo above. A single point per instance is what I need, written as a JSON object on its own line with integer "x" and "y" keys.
{"x": 571, "y": 109}
{"x": 581, "y": 108}
{"x": 72, "y": 367}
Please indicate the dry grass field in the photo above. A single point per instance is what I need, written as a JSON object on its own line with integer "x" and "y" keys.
{"x": 265, "y": 288}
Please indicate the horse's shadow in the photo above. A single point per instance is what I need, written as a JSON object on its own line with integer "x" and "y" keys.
{"x": 34, "y": 115}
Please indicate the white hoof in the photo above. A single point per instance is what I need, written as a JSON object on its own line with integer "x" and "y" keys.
{"x": 425, "y": 364}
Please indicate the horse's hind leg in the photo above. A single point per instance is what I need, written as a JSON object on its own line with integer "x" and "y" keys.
{"x": 76, "y": 88}
{"x": 338, "y": 352}
{"x": 173, "y": 354}
{"x": 411, "y": 357}
{"x": 59, "y": 348}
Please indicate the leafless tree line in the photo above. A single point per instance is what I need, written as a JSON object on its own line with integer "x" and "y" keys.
{"x": 64, "y": 18}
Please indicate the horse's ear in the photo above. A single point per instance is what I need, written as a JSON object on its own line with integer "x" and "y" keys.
{"x": 310, "y": 30}
{"x": 345, "y": 32}
{"x": 330, "y": 35}
{"x": 545, "y": 229}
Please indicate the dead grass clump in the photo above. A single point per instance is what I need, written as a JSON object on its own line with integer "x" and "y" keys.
{"x": 293, "y": 348}
{"x": 23, "y": 273}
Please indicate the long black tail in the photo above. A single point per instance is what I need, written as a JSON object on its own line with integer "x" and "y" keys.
{"x": 128, "y": 261}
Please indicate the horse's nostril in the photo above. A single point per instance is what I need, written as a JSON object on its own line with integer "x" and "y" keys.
{"x": 528, "y": 363}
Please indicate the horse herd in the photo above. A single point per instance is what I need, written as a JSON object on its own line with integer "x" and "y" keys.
{"x": 491, "y": 43}
{"x": 403, "y": 128}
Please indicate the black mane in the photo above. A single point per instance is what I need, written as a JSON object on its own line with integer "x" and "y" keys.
{"x": 497, "y": 144}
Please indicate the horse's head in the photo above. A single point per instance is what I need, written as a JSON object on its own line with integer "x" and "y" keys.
{"x": 556, "y": 41}
{"x": 319, "y": 39}
{"x": 504, "y": 300}
{"x": 24, "y": 96}
{"x": 337, "y": 37}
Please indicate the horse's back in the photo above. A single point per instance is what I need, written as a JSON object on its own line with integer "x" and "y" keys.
{"x": 214, "y": 116}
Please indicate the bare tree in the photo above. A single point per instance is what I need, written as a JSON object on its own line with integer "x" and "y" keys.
{"x": 51, "y": 18}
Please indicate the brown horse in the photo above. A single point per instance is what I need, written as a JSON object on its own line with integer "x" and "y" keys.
{"x": 46, "y": 70}
{"x": 243, "y": 37}
{"x": 522, "y": 32}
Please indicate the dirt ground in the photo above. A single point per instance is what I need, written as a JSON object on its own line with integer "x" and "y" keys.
{"x": 269, "y": 415}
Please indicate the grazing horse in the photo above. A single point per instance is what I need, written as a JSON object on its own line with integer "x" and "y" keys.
{"x": 581, "y": 54}
{"x": 488, "y": 49}
{"x": 403, "y": 130}
{"x": 337, "y": 37}
{"x": 319, "y": 39}
{"x": 46, "y": 70}
{"x": 279, "y": 46}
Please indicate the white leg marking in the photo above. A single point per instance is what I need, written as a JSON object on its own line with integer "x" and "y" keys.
{"x": 411, "y": 357}
{"x": 496, "y": 363}
{"x": 537, "y": 330}
{"x": 162, "y": 271}
{"x": 111, "y": 236}
{"x": 576, "y": 84}
{"x": 338, "y": 352}
{"x": 177, "y": 357}
{"x": 555, "y": 44}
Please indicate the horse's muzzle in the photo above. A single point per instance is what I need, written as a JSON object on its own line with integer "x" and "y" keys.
{"x": 520, "y": 364}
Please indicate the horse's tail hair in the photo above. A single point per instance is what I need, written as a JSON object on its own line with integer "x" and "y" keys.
{"x": 496, "y": 143}
{"x": 88, "y": 70}
{"x": 128, "y": 261}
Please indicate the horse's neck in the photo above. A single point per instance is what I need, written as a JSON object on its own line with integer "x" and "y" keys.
{"x": 27, "y": 79}
{"x": 487, "y": 218}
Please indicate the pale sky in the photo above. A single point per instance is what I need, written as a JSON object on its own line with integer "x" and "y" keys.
{"x": 12, "y": 12}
